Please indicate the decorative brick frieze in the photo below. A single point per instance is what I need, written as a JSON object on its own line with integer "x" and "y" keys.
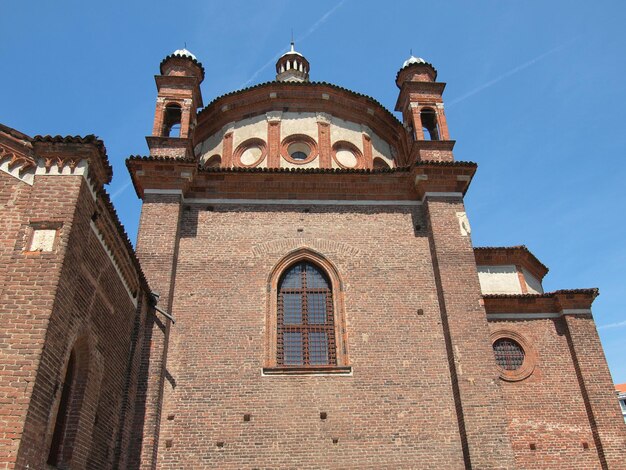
{"x": 18, "y": 165}
{"x": 286, "y": 245}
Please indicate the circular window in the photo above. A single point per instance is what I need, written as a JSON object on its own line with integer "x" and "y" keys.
{"x": 347, "y": 155}
{"x": 346, "y": 158}
{"x": 250, "y": 153}
{"x": 299, "y": 149}
{"x": 514, "y": 356}
{"x": 509, "y": 354}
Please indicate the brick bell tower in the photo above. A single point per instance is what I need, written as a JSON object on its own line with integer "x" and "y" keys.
{"x": 421, "y": 104}
{"x": 175, "y": 118}
{"x": 178, "y": 99}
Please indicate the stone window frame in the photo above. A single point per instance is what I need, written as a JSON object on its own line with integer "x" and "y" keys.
{"x": 271, "y": 366}
{"x": 295, "y": 138}
{"x": 530, "y": 355}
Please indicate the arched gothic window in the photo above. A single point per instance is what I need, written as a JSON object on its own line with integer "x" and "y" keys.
{"x": 65, "y": 428}
{"x": 305, "y": 321}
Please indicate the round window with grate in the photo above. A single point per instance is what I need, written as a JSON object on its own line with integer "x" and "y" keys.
{"x": 299, "y": 151}
{"x": 509, "y": 354}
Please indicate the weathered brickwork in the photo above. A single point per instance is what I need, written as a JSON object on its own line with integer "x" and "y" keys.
{"x": 382, "y": 414}
{"x": 547, "y": 409}
{"x": 70, "y": 298}
{"x": 95, "y": 374}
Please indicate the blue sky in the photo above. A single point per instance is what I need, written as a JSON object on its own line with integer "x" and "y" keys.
{"x": 535, "y": 96}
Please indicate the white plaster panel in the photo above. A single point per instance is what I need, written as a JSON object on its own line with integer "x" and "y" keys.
{"x": 211, "y": 146}
{"x": 499, "y": 280}
{"x": 346, "y": 130}
{"x": 315, "y": 163}
{"x": 299, "y": 123}
{"x": 381, "y": 149}
{"x": 534, "y": 284}
{"x": 248, "y": 128}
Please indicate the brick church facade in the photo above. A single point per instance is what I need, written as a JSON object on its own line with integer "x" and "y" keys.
{"x": 320, "y": 303}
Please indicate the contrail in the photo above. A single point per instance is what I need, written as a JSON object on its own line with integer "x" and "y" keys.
{"x": 612, "y": 325}
{"x": 319, "y": 22}
{"x": 311, "y": 30}
{"x": 120, "y": 190}
{"x": 506, "y": 75}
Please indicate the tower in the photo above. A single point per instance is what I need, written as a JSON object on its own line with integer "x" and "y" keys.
{"x": 178, "y": 99}
{"x": 421, "y": 104}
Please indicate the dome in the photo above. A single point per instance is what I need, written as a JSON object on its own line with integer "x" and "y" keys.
{"x": 184, "y": 53}
{"x": 413, "y": 60}
{"x": 292, "y": 51}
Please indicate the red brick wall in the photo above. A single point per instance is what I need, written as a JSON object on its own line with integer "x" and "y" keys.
{"x": 597, "y": 390}
{"x": 547, "y": 408}
{"x": 478, "y": 397}
{"x": 49, "y": 302}
{"x": 396, "y": 410}
{"x": 157, "y": 248}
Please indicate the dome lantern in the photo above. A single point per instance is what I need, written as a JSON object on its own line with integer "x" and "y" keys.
{"x": 292, "y": 67}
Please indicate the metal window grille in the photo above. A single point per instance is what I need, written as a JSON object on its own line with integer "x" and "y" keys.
{"x": 509, "y": 354}
{"x": 306, "y": 327}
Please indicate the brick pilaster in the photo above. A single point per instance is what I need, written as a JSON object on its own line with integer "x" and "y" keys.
{"x": 227, "y": 152}
{"x": 157, "y": 249}
{"x": 416, "y": 121}
{"x": 323, "y": 132}
{"x": 596, "y": 386}
{"x": 367, "y": 148}
{"x": 157, "y": 128}
{"x": 273, "y": 138}
{"x": 478, "y": 397}
{"x": 444, "y": 134}
{"x": 185, "y": 120}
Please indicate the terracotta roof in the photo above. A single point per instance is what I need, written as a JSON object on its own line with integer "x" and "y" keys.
{"x": 302, "y": 84}
{"x": 106, "y": 200}
{"x": 418, "y": 64}
{"x": 512, "y": 248}
{"x": 160, "y": 158}
{"x": 165, "y": 158}
{"x": 459, "y": 163}
{"x": 178, "y": 56}
{"x": 594, "y": 291}
{"x": 620, "y": 388}
{"x": 77, "y": 139}
{"x": 15, "y": 133}
{"x": 363, "y": 171}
